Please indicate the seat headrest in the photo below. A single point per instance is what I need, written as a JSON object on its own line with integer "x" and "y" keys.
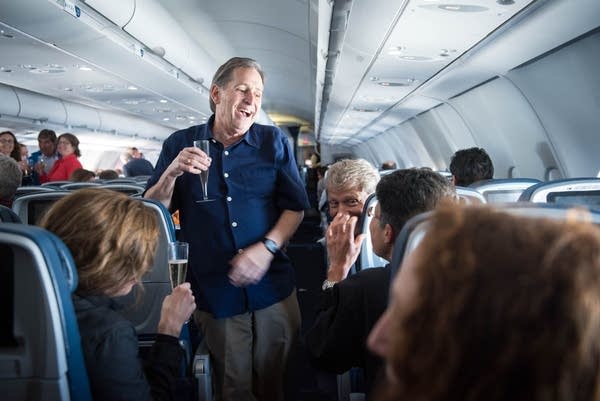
{"x": 53, "y": 250}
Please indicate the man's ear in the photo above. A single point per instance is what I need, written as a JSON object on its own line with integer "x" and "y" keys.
{"x": 389, "y": 235}
{"x": 215, "y": 94}
{"x": 454, "y": 180}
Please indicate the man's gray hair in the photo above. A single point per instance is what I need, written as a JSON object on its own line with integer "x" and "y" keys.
{"x": 225, "y": 73}
{"x": 10, "y": 177}
{"x": 352, "y": 174}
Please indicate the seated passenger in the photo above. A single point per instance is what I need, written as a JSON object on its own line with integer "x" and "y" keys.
{"x": 349, "y": 307}
{"x": 10, "y": 179}
{"x": 494, "y": 307}
{"x": 68, "y": 148}
{"x": 9, "y": 146}
{"x": 348, "y": 184}
{"x": 113, "y": 239}
{"x": 46, "y": 156}
{"x": 470, "y": 165}
{"x": 82, "y": 175}
{"x": 108, "y": 175}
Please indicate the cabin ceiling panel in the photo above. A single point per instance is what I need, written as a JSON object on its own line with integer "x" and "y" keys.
{"x": 278, "y": 35}
{"x": 79, "y": 63}
{"x": 406, "y": 44}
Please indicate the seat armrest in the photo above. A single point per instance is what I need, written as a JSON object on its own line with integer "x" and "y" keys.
{"x": 202, "y": 371}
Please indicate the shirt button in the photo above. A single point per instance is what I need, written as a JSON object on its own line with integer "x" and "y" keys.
{"x": 229, "y": 199}
{"x": 226, "y": 153}
{"x": 234, "y": 224}
{"x": 226, "y": 175}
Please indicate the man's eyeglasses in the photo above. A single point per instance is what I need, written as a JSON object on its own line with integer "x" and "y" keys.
{"x": 346, "y": 202}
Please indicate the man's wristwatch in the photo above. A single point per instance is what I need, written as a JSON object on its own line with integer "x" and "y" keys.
{"x": 270, "y": 245}
{"x": 328, "y": 284}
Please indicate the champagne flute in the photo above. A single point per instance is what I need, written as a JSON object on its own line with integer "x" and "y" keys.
{"x": 204, "y": 145}
{"x": 42, "y": 162}
{"x": 178, "y": 261}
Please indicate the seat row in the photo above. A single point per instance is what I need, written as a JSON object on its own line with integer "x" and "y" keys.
{"x": 566, "y": 193}
{"x": 41, "y": 355}
{"x": 129, "y": 187}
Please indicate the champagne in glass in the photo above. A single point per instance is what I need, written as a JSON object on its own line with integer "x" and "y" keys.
{"x": 178, "y": 261}
{"x": 204, "y": 145}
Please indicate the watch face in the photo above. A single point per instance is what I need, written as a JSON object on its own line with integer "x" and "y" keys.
{"x": 270, "y": 245}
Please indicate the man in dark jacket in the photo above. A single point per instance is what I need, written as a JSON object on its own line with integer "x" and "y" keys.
{"x": 136, "y": 166}
{"x": 349, "y": 307}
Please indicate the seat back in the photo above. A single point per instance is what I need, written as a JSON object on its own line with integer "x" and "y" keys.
{"x": 143, "y": 309}
{"x": 503, "y": 189}
{"x": 56, "y": 184}
{"x": 469, "y": 196}
{"x": 40, "y": 347}
{"x": 572, "y": 191}
{"x": 126, "y": 188}
{"x": 73, "y": 186}
{"x": 415, "y": 229}
{"x": 30, "y": 189}
{"x": 367, "y": 257}
{"x": 8, "y": 216}
{"x": 31, "y": 207}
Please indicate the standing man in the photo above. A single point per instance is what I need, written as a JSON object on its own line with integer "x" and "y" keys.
{"x": 136, "y": 166}
{"x": 242, "y": 280}
{"x": 46, "y": 156}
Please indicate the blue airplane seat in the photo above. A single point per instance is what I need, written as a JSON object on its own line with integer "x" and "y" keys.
{"x": 31, "y": 207}
{"x": 583, "y": 191}
{"x": 503, "y": 189}
{"x": 416, "y": 228}
{"x": 145, "y": 313}
{"x": 469, "y": 196}
{"x": 40, "y": 356}
{"x": 143, "y": 310}
{"x": 126, "y": 188}
{"x": 367, "y": 258}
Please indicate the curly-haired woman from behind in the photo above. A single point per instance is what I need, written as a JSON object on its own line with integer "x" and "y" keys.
{"x": 494, "y": 307}
{"x": 113, "y": 239}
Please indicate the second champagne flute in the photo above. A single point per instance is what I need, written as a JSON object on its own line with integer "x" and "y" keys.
{"x": 178, "y": 260}
{"x": 204, "y": 145}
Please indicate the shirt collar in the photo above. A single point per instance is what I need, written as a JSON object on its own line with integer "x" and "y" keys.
{"x": 251, "y": 137}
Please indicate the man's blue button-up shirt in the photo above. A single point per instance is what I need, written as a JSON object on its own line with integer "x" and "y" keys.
{"x": 251, "y": 183}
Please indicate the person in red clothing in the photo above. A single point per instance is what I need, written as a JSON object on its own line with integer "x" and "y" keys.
{"x": 68, "y": 148}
